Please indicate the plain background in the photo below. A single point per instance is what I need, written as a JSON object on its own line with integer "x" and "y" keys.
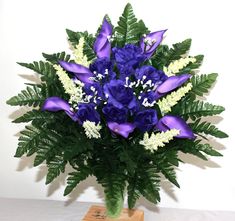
{"x": 28, "y": 28}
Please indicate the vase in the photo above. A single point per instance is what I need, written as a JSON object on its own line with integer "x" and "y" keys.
{"x": 98, "y": 213}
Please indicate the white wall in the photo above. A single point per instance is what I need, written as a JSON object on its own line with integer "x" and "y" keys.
{"x": 28, "y": 28}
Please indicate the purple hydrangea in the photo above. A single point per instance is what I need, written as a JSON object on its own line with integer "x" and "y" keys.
{"x": 115, "y": 114}
{"x": 130, "y": 55}
{"x": 104, "y": 67}
{"x": 149, "y": 73}
{"x": 145, "y": 120}
{"x": 87, "y": 112}
{"x": 119, "y": 95}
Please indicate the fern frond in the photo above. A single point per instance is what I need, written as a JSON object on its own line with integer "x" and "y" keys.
{"x": 150, "y": 182}
{"x": 55, "y": 167}
{"x": 133, "y": 191}
{"x": 199, "y": 127}
{"x": 196, "y": 109}
{"x": 49, "y": 146}
{"x": 198, "y": 149}
{"x": 32, "y": 96}
{"x": 28, "y": 141}
{"x": 54, "y": 58}
{"x": 43, "y": 68}
{"x": 75, "y": 178}
{"x": 128, "y": 29}
{"x": 165, "y": 55}
{"x": 35, "y": 115}
{"x": 202, "y": 83}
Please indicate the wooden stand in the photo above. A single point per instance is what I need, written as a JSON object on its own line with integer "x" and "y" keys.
{"x": 98, "y": 213}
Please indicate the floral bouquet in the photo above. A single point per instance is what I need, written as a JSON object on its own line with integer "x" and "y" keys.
{"x": 120, "y": 109}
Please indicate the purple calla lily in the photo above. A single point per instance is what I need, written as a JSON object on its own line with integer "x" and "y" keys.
{"x": 169, "y": 122}
{"x": 123, "y": 129}
{"x": 102, "y": 46}
{"x": 55, "y": 104}
{"x": 80, "y": 72}
{"x": 170, "y": 84}
{"x": 150, "y": 42}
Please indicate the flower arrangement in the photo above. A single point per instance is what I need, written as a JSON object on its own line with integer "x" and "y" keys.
{"x": 120, "y": 109}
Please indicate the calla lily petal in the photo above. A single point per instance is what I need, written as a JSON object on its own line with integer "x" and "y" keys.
{"x": 149, "y": 43}
{"x": 169, "y": 122}
{"x": 102, "y": 46}
{"x": 172, "y": 83}
{"x": 122, "y": 129}
{"x": 55, "y": 104}
{"x": 80, "y": 72}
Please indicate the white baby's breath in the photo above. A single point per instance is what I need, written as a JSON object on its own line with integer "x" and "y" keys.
{"x": 91, "y": 129}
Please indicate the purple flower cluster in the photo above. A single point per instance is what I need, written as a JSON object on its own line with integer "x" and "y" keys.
{"x": 123, "y": 89}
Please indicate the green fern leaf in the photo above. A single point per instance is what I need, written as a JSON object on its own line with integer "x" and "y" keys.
{"x": 35, "y": 115}
{"x": 207, "y": 149}
{"x": 132, "y": 191}
{"x": 128, "y": 29}
{"x": 196, "y": 109}
{"x": 202, "y": 83}
{"x": 55, "y": 167}
{"x": 54, "y": 58}
{"x": 207, "y": 128}
{"x": 197, "y": 148}
{"x": 28, "y": 141}
{"x": 169, "y": 172}
{"x": 75, "y": 178}
{"x": 165, "y": 55}
{"x": 178, "y": 50}
{"x": 32, "y": 96}
{"x": 43, "y": 68}
{"x": 150, "y": 183}
{"x": 49, "y": 145}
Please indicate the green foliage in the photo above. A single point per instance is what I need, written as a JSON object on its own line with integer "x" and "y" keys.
{"x": 28, "y": 141}
{"x": 202, "y": 83}
{"x": 196, "y": 109}
{"x": 48, "y": 146}
{"x": 32, "y": 96}
{"x": 150, "y": 181}
{"x": 197, "y": 148}
{"x": 75, "y": 178}
{"x": 54, "y": 58}
{"x": 165, "y": 55}
{"x": 74, "y": 37}
{"x": 45, "y": 69}
{"x": 145, "y": 182}
{"x": 128, "y": 29}
{"x": 166, "y": 159}
{"x": 133, "y": 191}
{"x": 199, "y": 127}
{"x": 178, "y": 50}
{"x": 77, "y": 145}
{"x": 35, "y": 115}
{"x": 55, "y": 167}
